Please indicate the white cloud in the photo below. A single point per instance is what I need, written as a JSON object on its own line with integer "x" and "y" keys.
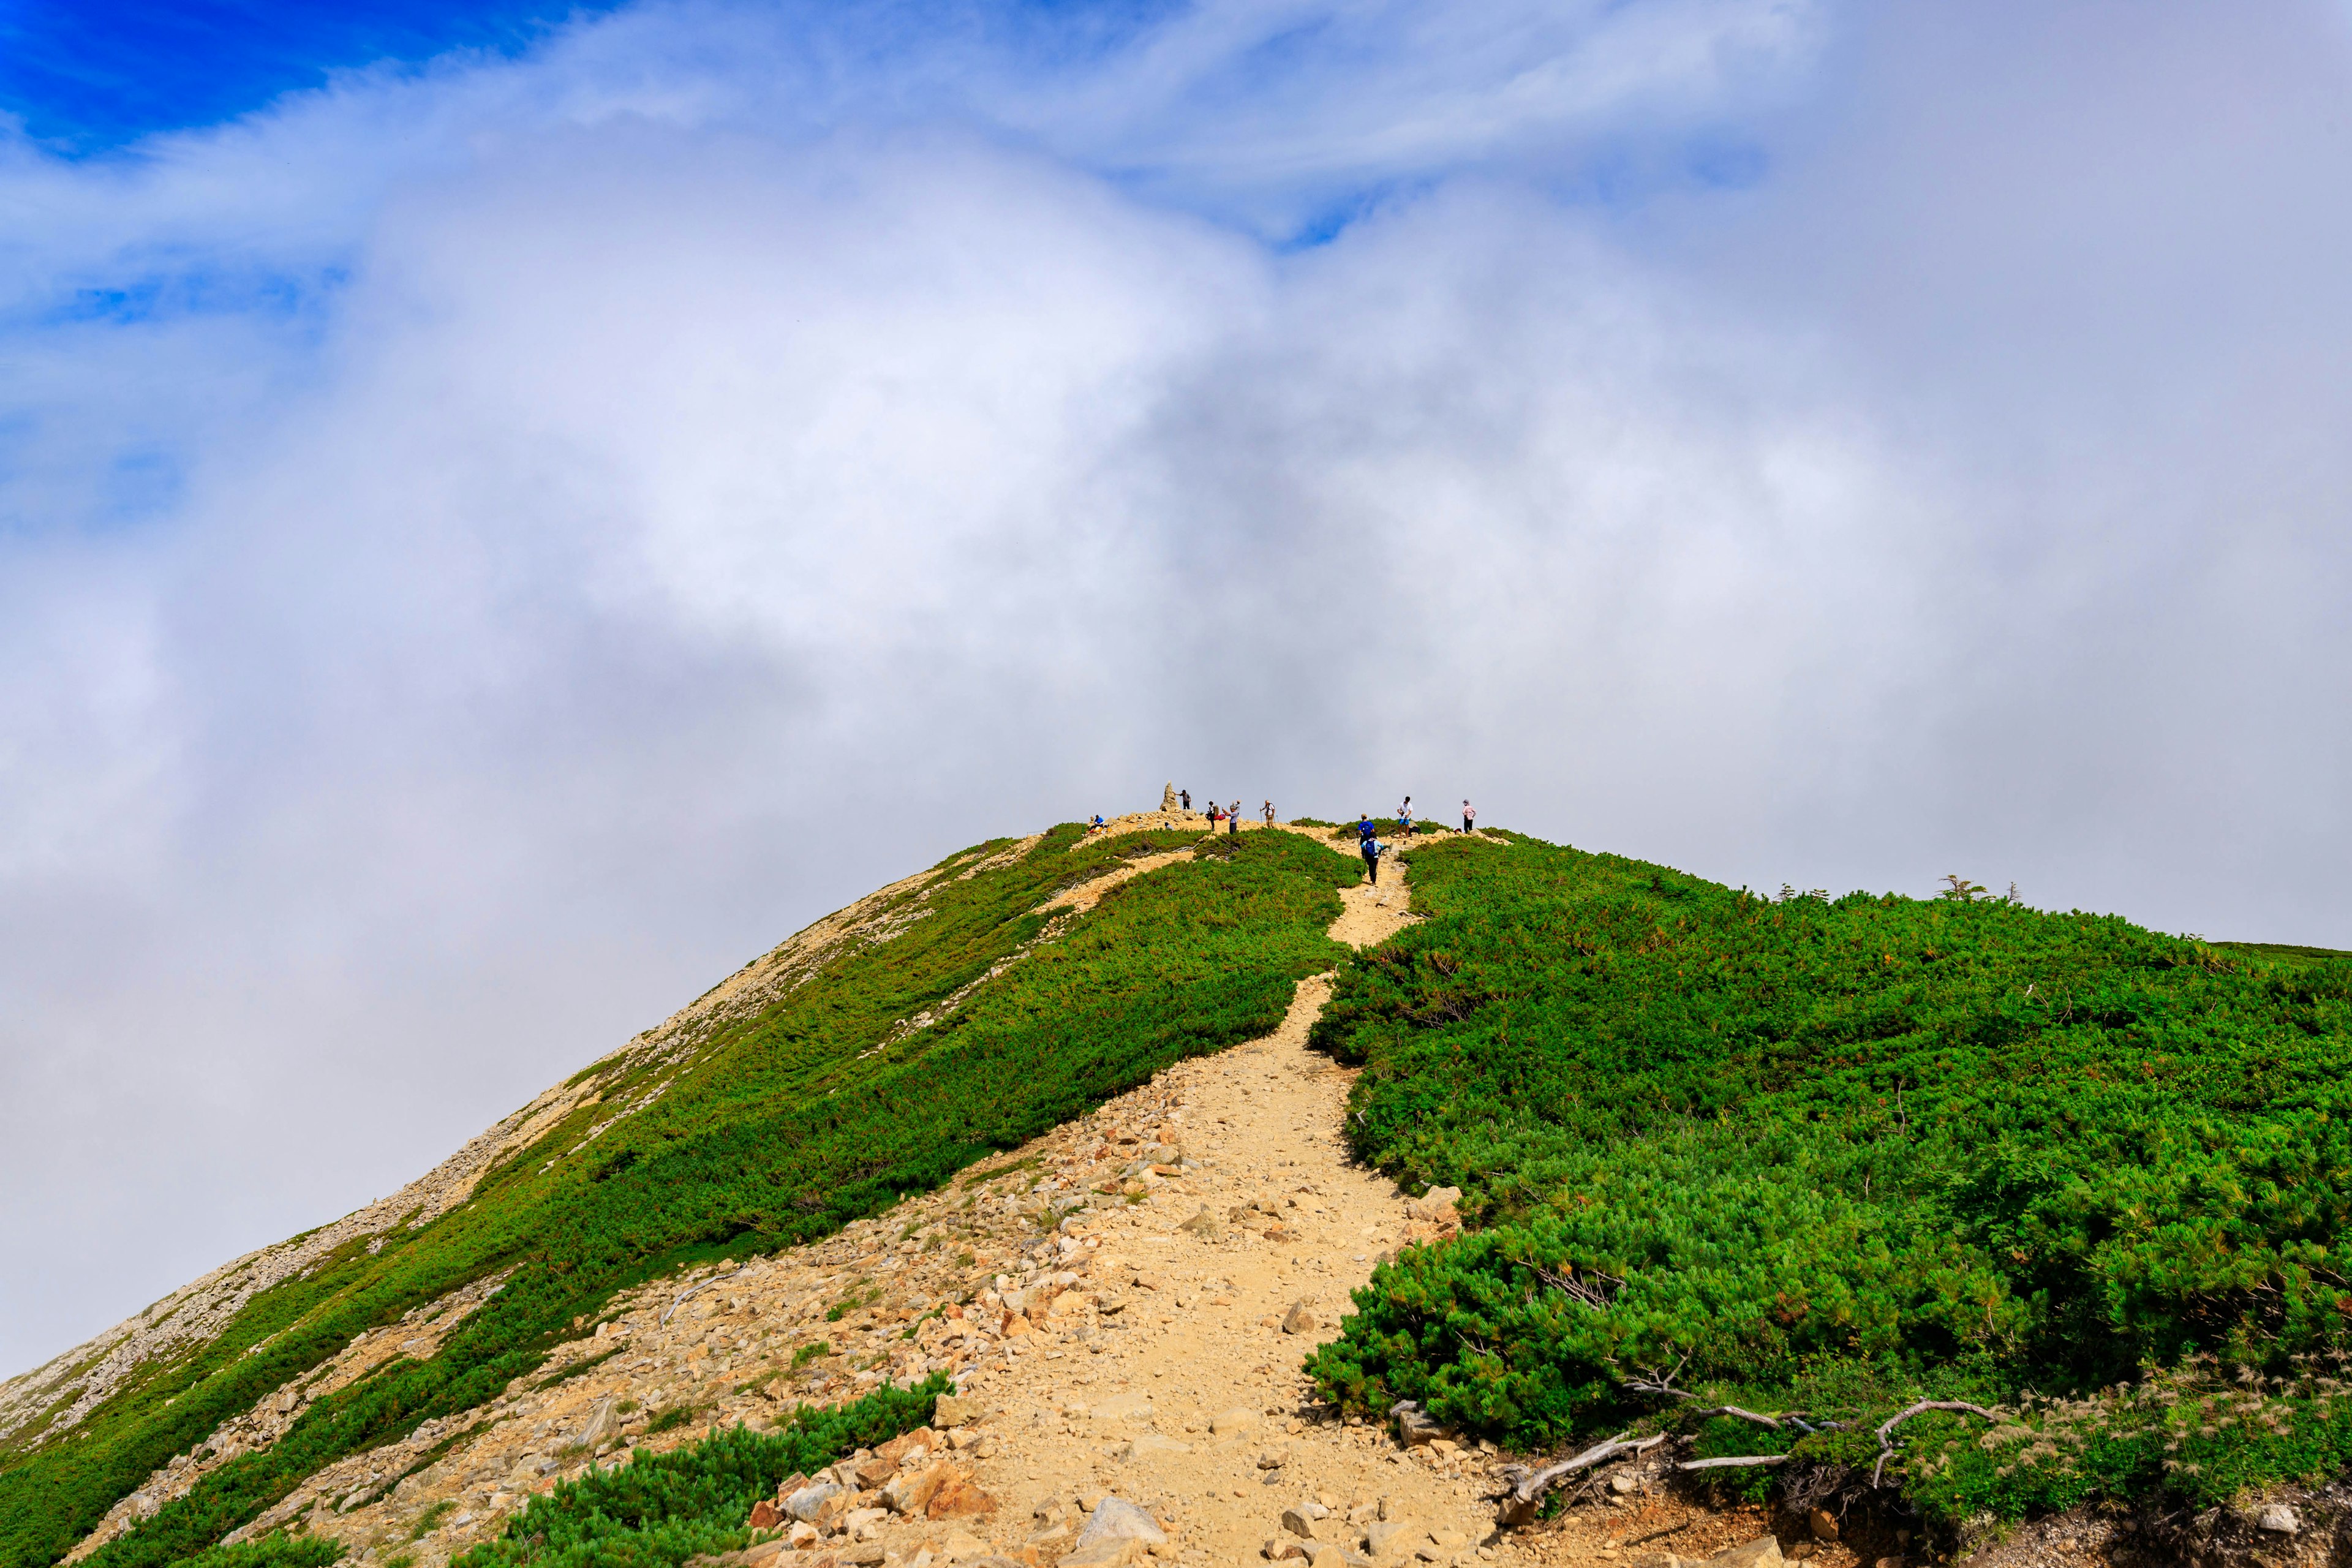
{"x": 594, "y": 512}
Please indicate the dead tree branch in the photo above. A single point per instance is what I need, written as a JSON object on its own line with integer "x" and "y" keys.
{"x": 1736, "y": 1461}
{"x": 1886, "y": 1427}
{"x": 1518, "y": 1504}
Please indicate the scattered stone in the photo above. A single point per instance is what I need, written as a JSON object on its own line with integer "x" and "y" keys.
{"x": 2278, "y": 1518}
{"x": 1620, "y": 1483}
{"x": 1279, "y": 1547}
{"x": 1393, "y": 1535}
{"x": 1299, "y": 1522}
{"x": 1823, "y": 1524}
{"x": 1300, "y": 1319}
{"x": 1448, "y": 1539}
{"x": 1205, "y": 1225}
{"x": 1757, "y": 1554}
{"x": 955, "y": 1410}
{"x": 765, "y": 1515}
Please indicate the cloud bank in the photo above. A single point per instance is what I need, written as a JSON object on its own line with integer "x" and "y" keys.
{"x": 489, "y": 546}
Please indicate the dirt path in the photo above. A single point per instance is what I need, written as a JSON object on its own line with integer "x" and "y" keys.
{"x": 1124, "y": 1303}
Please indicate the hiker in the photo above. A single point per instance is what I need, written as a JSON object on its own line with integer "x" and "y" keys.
{"x": 1364, "y": 829}
{"x": 1186, "y": 796}
{"x": 1213, "y": 817}
{"x": 1097, "y": 824}
{"x": 1372, "y": 847}
{"x": 1469, "y": 818}
{"x": 1269, "y": 814}
{"x": 1233, "y": 820}
{"x": 1404, "y": 818}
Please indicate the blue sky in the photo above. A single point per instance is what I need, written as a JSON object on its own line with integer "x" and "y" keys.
{"x": 91, "y": 76}
{"x": 491, "y": 544}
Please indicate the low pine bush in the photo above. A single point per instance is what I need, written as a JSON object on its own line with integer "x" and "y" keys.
{"x": 657, "y": 1511}
{"x": 1835, "y": 1155}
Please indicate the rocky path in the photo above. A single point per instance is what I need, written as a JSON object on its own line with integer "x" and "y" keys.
{"x": 1124, "y": 1303}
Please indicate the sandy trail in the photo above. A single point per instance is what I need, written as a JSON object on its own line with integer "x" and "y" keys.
{"x": 1109, "y": 1347}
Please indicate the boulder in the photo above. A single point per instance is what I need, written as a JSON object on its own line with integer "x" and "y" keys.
{"x": 960, "y": 1498}
{"x": 898, "y": 1447}
{"x": 765, "y": 1515}
{"x": 1413, "y": 1428}
{"x": 2278, "y": 1520}
{"x": 1299, "y": 1522}
{"x": 817, "y": 1502}
{"x": 955, "y": 1410}
{"x": 1396, "y": 1535}
{"x": 911, "y": 1489}
{"x": 1760, "y": 1553}
{"x": 1822, "y": 1523}
{"x": 1300, "y": 1319}
{"x": 1168, "y": 799}
{"x": 1205, "y": 1223}
{"x": 1116, "y": 1519}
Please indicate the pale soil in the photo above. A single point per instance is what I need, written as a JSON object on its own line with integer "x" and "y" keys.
{"x": 1132, "y": 1335}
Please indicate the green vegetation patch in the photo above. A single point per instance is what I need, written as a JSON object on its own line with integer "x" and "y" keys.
{"x": 780, "y": 1128}
{"x": 659, "y": 1509}
{"x": 1838, "y": 1155}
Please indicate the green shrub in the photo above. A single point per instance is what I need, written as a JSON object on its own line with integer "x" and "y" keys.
{"x": 662, "y": 1508}
{"x": 1957, "y": 1147}
{"x": 277, "y": 1550}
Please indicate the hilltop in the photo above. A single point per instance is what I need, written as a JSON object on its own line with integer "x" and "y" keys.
{"x": 1206, "y": 1175}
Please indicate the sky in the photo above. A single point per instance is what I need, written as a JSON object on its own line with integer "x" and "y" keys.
{"x": 508, "y": 512}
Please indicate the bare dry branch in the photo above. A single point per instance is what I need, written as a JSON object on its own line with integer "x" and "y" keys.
{"x": 1771, "y": 1421}
{"x": 1518, "y": 1504}
{"x": 1736, "y": 1461}
{"x": 1886, "y": 1427}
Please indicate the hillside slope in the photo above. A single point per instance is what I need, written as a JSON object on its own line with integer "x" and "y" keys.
{"x": 1756, "y": 1176}
{"x": 953, "y": 1013}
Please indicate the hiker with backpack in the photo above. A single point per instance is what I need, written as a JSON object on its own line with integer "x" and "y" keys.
{"x": 1268, "y": 814}
{"x": 1371, "y": 847}
{"x": 1233, "y": 820}
{"x": 1186, "y": 796}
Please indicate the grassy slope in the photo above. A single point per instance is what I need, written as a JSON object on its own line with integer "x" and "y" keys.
{"x": 1839, "y": 1154}
{"x": 781, "y": 1130}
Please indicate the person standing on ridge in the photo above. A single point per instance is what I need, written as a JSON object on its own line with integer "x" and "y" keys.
{"x": 1233, "y": 819}
{"x": 1186, "y": 796}
{"x": 1469, "y": 818}
{"x": 1404, "y": 818}
{"x": 1213, "y": 817}
{"x": 1269, "y": 814}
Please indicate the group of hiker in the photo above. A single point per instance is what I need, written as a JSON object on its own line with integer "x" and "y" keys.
{"x": 1367, "y": 838}
{"x": 1230, "y": 817}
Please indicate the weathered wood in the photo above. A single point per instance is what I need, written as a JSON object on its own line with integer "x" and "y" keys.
{"x": 1518, "y": 1504}
{"x": 1886, "y": 1427}
{"x": 1734, "y": 1461}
